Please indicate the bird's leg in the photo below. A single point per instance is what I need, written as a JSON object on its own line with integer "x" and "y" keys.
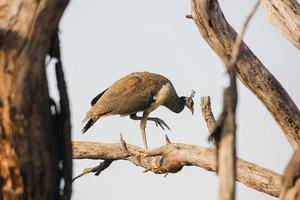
{"x": 143, "y": 127}
{"x": 157, "y": 121}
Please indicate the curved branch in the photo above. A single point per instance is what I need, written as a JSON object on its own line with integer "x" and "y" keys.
{"x": 173, "y": 157}
{"x": 291, "y": 178}
{"x": 214, "y": 28}
{"x": 285, "y": 16}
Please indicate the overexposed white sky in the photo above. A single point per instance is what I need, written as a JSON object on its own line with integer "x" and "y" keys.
{"x": 105, "y": 40}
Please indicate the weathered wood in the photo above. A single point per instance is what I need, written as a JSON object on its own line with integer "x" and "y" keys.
{"x": 207, "y": 113}
{"x": 214, "y": 28}
{"x": 172, "y": 157}
{"x": 226, "y": 145}
{"x": 291, "y": 179}
{"x": 285, "y": 16}
{"x": 27, "y": 126}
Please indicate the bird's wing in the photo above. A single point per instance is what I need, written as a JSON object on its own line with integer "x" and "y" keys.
{"x": 96, "y": 98}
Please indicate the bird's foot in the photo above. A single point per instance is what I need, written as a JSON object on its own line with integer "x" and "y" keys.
{"x": 159, "y": 122}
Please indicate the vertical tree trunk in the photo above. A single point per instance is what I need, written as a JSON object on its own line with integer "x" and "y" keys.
{"x": 29, "y": 134}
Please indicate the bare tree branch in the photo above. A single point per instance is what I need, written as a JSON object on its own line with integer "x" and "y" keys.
{"x": 238, "y": 41}
{"x": 214, "y": 28}
{"x": 172, "y": 157}
{"x": 285, "y": 16}
{"x": 207, "y": 113}
{"x": 97, "y": 170}
{"x": 291, "y": 179}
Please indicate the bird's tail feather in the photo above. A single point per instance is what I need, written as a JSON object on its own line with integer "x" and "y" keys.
{"x": 88, "y": 125}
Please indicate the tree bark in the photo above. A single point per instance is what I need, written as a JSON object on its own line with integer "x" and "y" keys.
{"x": 291, "y": 179}
{"x": 214, "y": 28}
{"x": 30, "y": 147}
{"x": 172, "y": 157}
{"x": 285, "y": 16}
{"x": 207, "y": 113}
{"x": 226, "y": 144}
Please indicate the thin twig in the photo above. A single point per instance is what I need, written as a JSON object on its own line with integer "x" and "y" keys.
{"x": 167, "y": 140}
{"x": 97, "y": 170}
{"x": 85, "y": 171}
{"x": 123, "y": 144}
{"x": 238, "y": 41}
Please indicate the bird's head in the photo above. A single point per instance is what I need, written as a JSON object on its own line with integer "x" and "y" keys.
{"x": 189, "y": 101}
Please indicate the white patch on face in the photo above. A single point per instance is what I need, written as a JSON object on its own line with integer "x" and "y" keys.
{"x": 160, "y": 97}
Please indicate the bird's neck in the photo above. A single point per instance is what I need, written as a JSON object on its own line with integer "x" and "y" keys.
{"x": 178, "y": 105}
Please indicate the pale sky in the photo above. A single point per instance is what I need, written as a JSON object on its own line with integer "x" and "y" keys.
{"x": 105, "y": 40}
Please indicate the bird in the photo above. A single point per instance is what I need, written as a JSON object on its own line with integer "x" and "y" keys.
{"x": 138, "y": 92}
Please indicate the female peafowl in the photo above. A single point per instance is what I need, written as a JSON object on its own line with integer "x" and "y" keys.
{"x": 137, "y": 92}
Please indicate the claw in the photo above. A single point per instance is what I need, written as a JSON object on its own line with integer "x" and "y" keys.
{"x": 159, "y": 122}
{"x": 165, "y": 124}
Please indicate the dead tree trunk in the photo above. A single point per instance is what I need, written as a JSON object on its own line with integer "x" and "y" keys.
{"x": 35, "y": 148}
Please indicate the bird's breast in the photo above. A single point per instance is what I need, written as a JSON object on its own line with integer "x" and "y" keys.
{"x": 160, "y": 97}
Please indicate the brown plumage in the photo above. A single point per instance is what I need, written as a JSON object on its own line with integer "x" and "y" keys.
{"x": 139, "y": 91}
